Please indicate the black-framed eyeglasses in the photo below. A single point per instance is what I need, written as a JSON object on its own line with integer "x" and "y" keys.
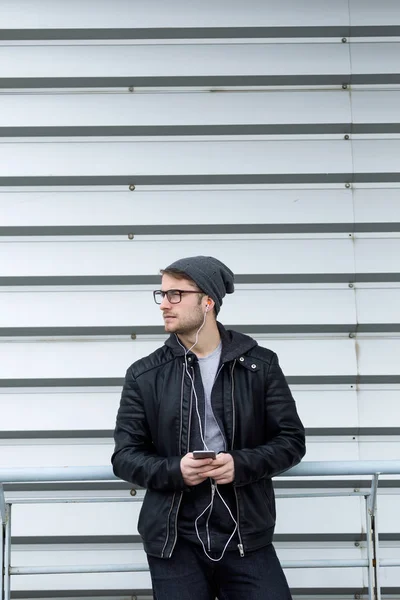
{"x": 173, "y": 296}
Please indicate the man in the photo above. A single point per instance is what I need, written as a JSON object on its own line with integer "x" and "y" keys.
{"x": 207, "y": 523}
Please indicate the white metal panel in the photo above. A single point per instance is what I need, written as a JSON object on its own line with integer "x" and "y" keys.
{"x": 120, "y": 308}
{"x": 326, "y": 408}
{"x": 94, "y": 452}
{"x": 390, "y": 576}
{"x": 388, "y": 513}
{"x": 180, "y": 206}
{"x": 58, "y": 410}
{"x": 175, "y": 59}
{"x": 36, "y": 555}
{"x": 376, "y": 155}
{"x": 380, "y": 447}
{"x": 110, "y": 358}
{"x": 142, "y": 256}
{"x": 120, "y": 519}
{"x": 375, "y": 57}
{"x": 75, "y": 519}
{"x": 52, "y": 453}
{"x": 368, "y": 12}
{"x": 378, "y": 356}
{"x": 344, "y": 515}
{"x": 376, "y": 305}
{"x": 375, "y": 106}
{"x": 155, "y": 13}
{"x": 23, "y": 556}
{"x": 376, "y": 205}
{"x": 378, "y": 407}
{"x": 181, "y": 157}
{"x": 332, "y": 448}
{"x": 81, "y": 581}
{"x": 175, "y": 108}
{"x": 43, "y": 409}
{"x": 380, "y": 255}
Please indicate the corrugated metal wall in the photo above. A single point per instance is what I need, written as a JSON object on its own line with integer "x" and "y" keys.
{"x": 264, "y": 133}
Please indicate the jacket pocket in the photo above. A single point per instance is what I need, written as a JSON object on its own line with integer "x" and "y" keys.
{"x": 257, "y": 507}
{"x": 154, "y": 516}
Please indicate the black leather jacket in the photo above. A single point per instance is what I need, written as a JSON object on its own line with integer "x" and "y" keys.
{"x": 264, "y": 434}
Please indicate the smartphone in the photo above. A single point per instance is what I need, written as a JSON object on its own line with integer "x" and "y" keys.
{"x": 203, "y": 454}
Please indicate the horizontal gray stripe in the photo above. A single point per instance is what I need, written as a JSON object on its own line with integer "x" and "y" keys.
{"x": 135, "y": 539}
{"x": 160, "y": 33}
{"x": 175, "y": 130}
{"x": 240, "y": 278}
{"x": 159, "y": 329}
{"x": 201, "y": 81}
{"x": 192, "y": 179}
{"x": 73, "y": 486}
{"x": 205, "y": 228}
{"x": 108, "y": 433}
{"x": 118, "y": 381}
{"x": 312, "y": 484}
{"x": 185, "y": 81}
{"x": 77, "y": 539}
{"x": 374, "y": 79}
{"x": 57, "y": 434}
{"x": 114, "y": 594}
{"x": 172, "y": 130}
{"x": 350, "y": 431}
{"x": 201, "y": 179}
{"x": 63, "y": 382}
{"x": 123, "y": 594}
{"x": 375, "y": 128}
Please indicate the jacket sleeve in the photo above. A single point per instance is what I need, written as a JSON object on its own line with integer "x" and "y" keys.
{"x": 135, "y": 458}
{"x": 285, "y": 438}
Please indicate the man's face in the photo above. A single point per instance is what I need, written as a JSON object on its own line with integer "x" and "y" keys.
{"x": 186, "y": 317}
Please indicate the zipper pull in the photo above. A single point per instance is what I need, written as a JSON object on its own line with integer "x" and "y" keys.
{"x": 241, "y": 551}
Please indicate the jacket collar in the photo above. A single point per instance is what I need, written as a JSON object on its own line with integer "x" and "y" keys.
{"x": 234, "y": 344}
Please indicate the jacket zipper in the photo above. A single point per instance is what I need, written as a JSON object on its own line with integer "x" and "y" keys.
{"x": 169, "y": 514}
{"x": 180, "y": 450}
{"x": 176, "y": 525}
{"x": 240, "y": 544}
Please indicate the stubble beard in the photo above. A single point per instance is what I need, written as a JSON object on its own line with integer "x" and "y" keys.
{"x": 187, "y": 327}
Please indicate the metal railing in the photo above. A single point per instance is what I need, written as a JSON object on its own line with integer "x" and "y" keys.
{"x": 373, "y": 562}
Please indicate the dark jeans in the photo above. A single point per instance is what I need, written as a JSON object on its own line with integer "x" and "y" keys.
{"x": 190, "y": 575}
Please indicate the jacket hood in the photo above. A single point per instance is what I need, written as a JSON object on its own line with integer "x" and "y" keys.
{"x": 234, "y": 344}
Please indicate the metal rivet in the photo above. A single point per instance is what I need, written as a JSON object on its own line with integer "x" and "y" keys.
{"x": 347, "y": 137}
{"x": 347, "y": 185}
{"x": 351, "y": 285}
{"x": 344, "y": 40}
{"x": 352, "y": 334}
{"x": 132, "y": 187}
{"x": 133, "y": 336}
{"x": 356, "y": 544}
{"x": 131, "y": 89}
{"x": 241, "y": 359}
{"x": 130, "y": 236}
{"x": 344, "y": 86}
{"x": 133, "y": 492}
{"x": 253, "y": 366}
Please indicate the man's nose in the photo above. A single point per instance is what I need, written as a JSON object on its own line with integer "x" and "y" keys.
{"x": 165, "y": 303}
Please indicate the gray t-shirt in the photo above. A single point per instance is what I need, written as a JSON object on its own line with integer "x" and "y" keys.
{"x": 213, "y": 436}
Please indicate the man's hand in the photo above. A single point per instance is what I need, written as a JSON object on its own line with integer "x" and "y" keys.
{"x": 222, "y": 469}
{"x": 192, "y": 468}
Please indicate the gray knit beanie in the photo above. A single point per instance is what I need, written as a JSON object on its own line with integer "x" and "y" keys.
{"x": 211, "y": 275}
